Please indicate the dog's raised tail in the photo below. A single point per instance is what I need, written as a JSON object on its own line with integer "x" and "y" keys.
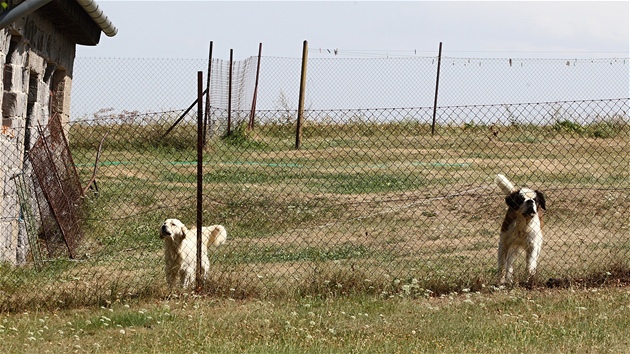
{"x": 506, "y": 186}
{"x": 216, "y": 235}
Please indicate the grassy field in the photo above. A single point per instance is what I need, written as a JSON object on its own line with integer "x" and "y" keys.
{"x": 377, "y": 238}
{"x": 588, "y": 320}
{"x": 359, "y": 210}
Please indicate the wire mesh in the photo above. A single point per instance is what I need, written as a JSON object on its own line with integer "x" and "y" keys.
{"x": 372, "y": 201}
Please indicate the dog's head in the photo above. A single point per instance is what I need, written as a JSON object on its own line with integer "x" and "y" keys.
{"x": 173, "y": 229}
{"x": 526, "y": 201}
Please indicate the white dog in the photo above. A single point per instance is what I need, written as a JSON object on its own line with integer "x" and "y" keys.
{"x": 180, "y": 250}
{"x": 521, "y": 228}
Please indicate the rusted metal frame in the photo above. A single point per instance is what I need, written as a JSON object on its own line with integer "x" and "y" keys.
{"x": 50, "y": 198}
{"x": 56, "y": 125}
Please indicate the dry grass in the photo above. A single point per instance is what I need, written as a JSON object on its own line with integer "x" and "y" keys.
{"x": 344, "y": 214}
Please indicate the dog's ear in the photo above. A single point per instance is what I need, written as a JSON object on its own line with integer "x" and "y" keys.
{"x": 184, "y": 231}
{"x": 540, "y": 199}
{"x": 514, "y": 200}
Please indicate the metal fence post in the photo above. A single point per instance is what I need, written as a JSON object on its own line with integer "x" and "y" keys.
{"x": 207, "y": 112}
{"x": 300, "y": 115}
{"x": 199, "y": 275}
{"x": 437, "y": 86}
{"x": 229, "y": 102}
{"x": 252, "y": 114}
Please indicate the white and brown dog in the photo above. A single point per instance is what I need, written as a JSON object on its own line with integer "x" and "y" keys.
{"x": 521, "y": 228}
{"x": 180, "y": 250}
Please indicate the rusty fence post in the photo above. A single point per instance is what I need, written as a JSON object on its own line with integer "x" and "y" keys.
{"x": 437, "y": 85}
{"x": 300, "y": 113}
{"x": 199, "y": 275}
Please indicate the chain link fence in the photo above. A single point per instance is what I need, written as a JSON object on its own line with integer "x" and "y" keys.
{"x": 375, "y": 199}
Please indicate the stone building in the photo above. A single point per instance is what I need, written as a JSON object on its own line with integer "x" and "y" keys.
{"x": 38, "y": 40}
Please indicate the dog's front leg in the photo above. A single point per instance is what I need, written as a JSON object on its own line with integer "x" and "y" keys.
{"x": 509, "y": 265}
{"x": 533, "y": 252}
{"x": 171, "y": 275}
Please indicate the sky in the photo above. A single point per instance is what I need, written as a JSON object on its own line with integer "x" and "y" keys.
{"x": 151, "y": 63}
{"x": 184, "y": 29}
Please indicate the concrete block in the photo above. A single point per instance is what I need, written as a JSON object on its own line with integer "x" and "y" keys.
{"x": 8, "y": 241}
{"x": 13, "y": 79}
{"x": 14, "y": 104}
{"x": 34, "y": 62}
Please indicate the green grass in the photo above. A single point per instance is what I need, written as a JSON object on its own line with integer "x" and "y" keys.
{"x": 376, "y": 239}
{"x": 388, "y": 202}
{"x": 557, "y": 321}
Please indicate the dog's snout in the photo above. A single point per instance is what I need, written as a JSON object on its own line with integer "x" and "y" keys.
{"x": 164, "y": 230}
{"x": 530, "y": 207}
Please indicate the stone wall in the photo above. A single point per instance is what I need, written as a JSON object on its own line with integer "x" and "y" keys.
{"x": 36, "y": 80}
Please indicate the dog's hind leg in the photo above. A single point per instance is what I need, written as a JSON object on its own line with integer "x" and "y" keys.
{"x": 186, "y": 278}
